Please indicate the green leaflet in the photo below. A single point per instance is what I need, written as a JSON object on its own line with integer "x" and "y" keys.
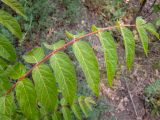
{"x": 65, "y": 75}
{"x": 56, "y": 45}
{"x": 57, "y": 116}
{"x": 26, "y": 97}
{"x": 83, "y": 106}
{"x": 6, "y": 107}
{"x": 17, "y": 71}
{"x": 4, "y": 85}
{"x": 1, "y": 70}
{"x": 16, "y": 6}
{"x": 76, "y": 110}
{"x": 6, "y": 72}
{"x": 65, "y": 110}
{"x": 3, "y": 63}
{"x": 7, "y": 50}
{"x": 14, "y": 71}
{"x": 129, "y": 44}
{"x": 69, "y": 35}
{"x": 43, "y": 112}
{"x": 34, "y": 56}
{"x": 140, "y": 25}
{"x": 94, "y": 28}
{"x": 10, "y": 23}
{"x": 85, "y": 103}
{"x": 149, "y": 27}
{"x": 110, "y": 54}
{"x": 17, "y": 116}
{"x": 89, "y": 64}
{"x": 45, "y": 86}
{"x": 88, "y": 101}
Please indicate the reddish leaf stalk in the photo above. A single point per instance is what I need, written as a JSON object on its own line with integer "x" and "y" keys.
{"x": 58, "y": 49}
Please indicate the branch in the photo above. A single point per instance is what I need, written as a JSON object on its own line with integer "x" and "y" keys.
{"x": 58, "y": 49}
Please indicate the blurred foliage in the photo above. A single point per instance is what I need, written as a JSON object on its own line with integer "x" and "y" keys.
{"x": 109, "y": 9}
{"x": 71, "y": 9}
{"x": 42, "y": 14}
{"x": 152, "y": 97}
{"x": 156, "y": 8}
{"x": 102, "y": 110}
{"x": 156, "y": 65}
{"x": 114, "y": 9}
{"x": 37, "y": 12}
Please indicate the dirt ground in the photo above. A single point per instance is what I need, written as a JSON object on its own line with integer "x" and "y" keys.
{"x": 125, "y": 100}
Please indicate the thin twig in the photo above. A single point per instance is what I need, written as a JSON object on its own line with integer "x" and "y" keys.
{"x": 58, "y": 49}
{"x": 134, "y": 107}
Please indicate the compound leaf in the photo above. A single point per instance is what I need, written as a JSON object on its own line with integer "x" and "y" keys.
{"x": 65, "y": 75}
{"x": 88, "y": 63}
{"x": 45, "y": 86}
{"x": 26, "y": 97}
{"x": 10, "y": 23}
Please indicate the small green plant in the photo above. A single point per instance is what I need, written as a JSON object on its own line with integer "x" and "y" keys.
{"x": 152, "y": 97}
{"x": 51, "y": 90}
{"x": 36, "y": 11}
{"x": 71, "y": 12}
